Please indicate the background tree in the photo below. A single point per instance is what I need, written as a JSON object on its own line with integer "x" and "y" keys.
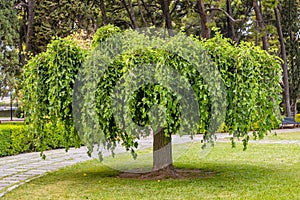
{"x": 286, "y": 87}
{"x": 42, "y": 20}
{"x": 290, "y": 27}
{"x": 9, "y": 61}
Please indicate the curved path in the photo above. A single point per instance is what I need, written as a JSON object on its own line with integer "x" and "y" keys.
{"x": 19, "y": 169}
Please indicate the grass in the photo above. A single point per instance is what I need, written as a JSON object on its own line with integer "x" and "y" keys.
{"x": 284, "y": 136}
{"x": 263, "y": 171}
{"x": 278, "y": 136}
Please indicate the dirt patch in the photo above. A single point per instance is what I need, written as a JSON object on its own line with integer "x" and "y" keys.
{"x": 163, "y": 174}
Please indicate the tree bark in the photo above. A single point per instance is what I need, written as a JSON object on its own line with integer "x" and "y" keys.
{"x": 130, "y": 12}
{"x": 285, "y": 67}
{"x": 261, "y": 25}
{"x": 149, "y": 13}
{"x": 162, "y": 151}
{"x": 142, "y": 14}
{"x": 231, "y": 30}
{"x": 135, "y": 25}
{"x": 103, "y": 12}
{"x": 166, "y": 11}
{"x": 31, "y": 4}
{"x": 205, "y": 30}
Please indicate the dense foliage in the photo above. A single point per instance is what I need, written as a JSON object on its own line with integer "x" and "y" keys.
{"x": 250, "y": 76}
{"x": 18, "y": 138}
{"x": 48, "y": 88}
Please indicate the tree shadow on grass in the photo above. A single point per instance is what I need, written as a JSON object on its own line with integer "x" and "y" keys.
{"x": 215, "y": 171}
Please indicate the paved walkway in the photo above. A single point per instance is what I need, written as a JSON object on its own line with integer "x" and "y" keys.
{"x": 22, "y": 168}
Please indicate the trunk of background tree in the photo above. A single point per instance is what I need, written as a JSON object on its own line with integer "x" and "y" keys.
{"x": 132, "y": 15}
{"x": 166, "y": 11}
{"x": 149, "y": 14}
{"x": 285, "y": 67}
{"x": 261, "y": 25}
{"x": 130, "y": 12}
{"x": 142, "y": 14}
{"x": 103, "y": 12}
{"x": 30, "y": 4}
{"x": 204, "y": 19}
{"x": 162, "y": 152}
{"x": 231, "y": 30}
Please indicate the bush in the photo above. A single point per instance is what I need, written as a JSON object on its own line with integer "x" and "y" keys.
{"x": 18, "y": 138}
{"x": 6, "y": 132}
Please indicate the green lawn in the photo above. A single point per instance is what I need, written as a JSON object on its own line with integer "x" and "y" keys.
{"x": 284, "y": 136}
{"x": 263, "y": 171}
{"x": 278, "y": 136}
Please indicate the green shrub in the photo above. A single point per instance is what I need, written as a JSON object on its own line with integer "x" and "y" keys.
{"x": 19, "y": 138}
{"x": 4, "y": 142}
{"x": 6, "y": 131}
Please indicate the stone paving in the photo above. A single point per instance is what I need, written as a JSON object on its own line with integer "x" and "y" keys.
{"x": 19, "y": 169}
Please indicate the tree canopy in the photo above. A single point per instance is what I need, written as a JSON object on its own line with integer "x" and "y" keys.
{"x": 134, "y": 82}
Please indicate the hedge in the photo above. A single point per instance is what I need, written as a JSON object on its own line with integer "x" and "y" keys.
{"x": 18, "y": 138}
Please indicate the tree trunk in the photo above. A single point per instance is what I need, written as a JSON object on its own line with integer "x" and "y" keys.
{"x": 231, "y": 30}
{"x": 149, "y": 13}
{"x": 261, "y": 25}
{"x": 166, "y": 11}
{"x": 205, "y": 30}
{"x": 31, "y": 4}
{"x": 130, "y": 12}
{"x": 285, "y": 67}
{"x": 135, "y": 25}
{"x": 141, "y": 13}
{"x": 162, "y": 151}
{"x": 103, "y": 12}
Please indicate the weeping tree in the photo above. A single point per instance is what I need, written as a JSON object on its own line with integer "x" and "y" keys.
{"x": 134, "y": 83}
{"x": 47, "y": 94}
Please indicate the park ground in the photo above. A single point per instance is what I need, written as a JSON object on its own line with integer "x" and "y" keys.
{"x": 268, "y": 169}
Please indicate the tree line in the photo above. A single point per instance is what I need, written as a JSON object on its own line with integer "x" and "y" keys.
{"x": 28, "y": 26}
